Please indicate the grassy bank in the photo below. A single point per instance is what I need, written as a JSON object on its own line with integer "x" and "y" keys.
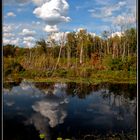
{"x": 95, "y": 77}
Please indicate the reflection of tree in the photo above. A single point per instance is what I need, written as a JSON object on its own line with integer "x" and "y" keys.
{"x": 9, "y": 85}
{"x": 44, "y": 85}
{"x": 122, "y": 99}
{"x": 81, "y": 89}
{"x": 127, "y": 90}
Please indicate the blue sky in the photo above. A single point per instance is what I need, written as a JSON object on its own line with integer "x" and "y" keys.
{"x": 25, "y": 21}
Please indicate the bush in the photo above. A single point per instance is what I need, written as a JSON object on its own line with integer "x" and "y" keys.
{"x": 116, "y": 64}
{"x": 60, "y": 72}
{"x": 12, "y": 67}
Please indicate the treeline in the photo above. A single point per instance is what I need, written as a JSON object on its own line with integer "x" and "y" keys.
{"x": 79, "y": 54}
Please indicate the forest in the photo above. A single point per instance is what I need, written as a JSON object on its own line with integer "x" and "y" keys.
{"x": 79, "y": 56}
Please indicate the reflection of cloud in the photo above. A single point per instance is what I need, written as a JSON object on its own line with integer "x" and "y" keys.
{"x": 6, "y": 91}
{"x": 52, "y": 109}
{"x": 25, "y": 87}
{"x": 60, "y": 89}
{"x": 40, "y": 123}
{"x": 103, "y": 121}
{"x": 102, "y": 108}
{"x": 9, "y": 103}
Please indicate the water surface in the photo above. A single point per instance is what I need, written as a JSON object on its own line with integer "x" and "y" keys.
{"x": 67, "y": 110}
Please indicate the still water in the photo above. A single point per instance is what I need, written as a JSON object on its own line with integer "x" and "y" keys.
{"x": 67, "y": 110}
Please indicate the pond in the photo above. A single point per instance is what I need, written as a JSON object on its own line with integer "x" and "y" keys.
{"x": 67, "y": 110}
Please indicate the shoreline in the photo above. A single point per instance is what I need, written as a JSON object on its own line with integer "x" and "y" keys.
{"x": 77, "y": 80}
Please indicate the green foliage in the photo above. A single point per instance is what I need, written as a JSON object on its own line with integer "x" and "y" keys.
{"x": 59, "y": 138}
{"x": 116, "y": 64}
{"x": 42, "y": 136}
{"x": 11, "y": 66}
{"x": 60, "y": 73}
{"x": 77, "y": 58}
{"x": 128, "y": 63}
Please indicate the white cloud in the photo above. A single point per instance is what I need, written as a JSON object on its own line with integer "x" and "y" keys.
{"x": 27, "y": 32}
{"x": 116, "y": 34}
{"x": 53, "y": 12}
{"x": 37, "y": 22}
{"x": 30, "y": 38}
{"x": 92, "y": 34}
{"x": 7, "y": 28}
{"x": 124, "y": 19}
{"x": 21, "y": 9}
{"x": 103, "y": 2}
{"x": 39, "y": 2}
{"x": 29, "y": 41}
{"x": 6, "y": 41}
{"x": 10, "y": 14}
{"x": 106, "y": 11}
{"x": 49, "y": 28}
{"x": 59, "y": 37}
{"x": 28, "y": 44}
{"x": 15, "y": 2}
{"x": 11, "y": 41}
{"x": 7, "y": 35}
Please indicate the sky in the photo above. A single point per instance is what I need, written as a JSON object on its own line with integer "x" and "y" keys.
{"x": 26, "y": 21}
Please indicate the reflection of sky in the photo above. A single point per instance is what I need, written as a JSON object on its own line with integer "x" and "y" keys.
{"x": 103, "y": 114}
{"x": 50, "y": 110}
{"x": 40, "y": 123}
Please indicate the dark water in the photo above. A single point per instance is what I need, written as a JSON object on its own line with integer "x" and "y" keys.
{"x": 67, "y": 110}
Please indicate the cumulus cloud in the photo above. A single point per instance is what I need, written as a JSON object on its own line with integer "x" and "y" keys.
{"x": 29, "y": 41}
{"x": 52, "y": 12}
{"x": 116, "y": 34}
{"x": 30, "y": 38}
{"x": 7, "y": 35}
{"x": 27, "y": 32}
{"x": 121, "y": 13}
{"x": 59, "y": 37}
{"x": 10, "y": 14}
{"x": 7, "y": 28}
{"x": 36, "y": 23}
{"x": 11, "y": 2}
{"x": 11, "y": 41}
{"x": 124, "y": 19}
{"x": 106, "y": 11}
{"x": 103, "y": 2}
{"x": 50, "y": 28}
{"x": 39, "y": 2}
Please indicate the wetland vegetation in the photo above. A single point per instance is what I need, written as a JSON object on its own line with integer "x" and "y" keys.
{"x": 81, "y": 57}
